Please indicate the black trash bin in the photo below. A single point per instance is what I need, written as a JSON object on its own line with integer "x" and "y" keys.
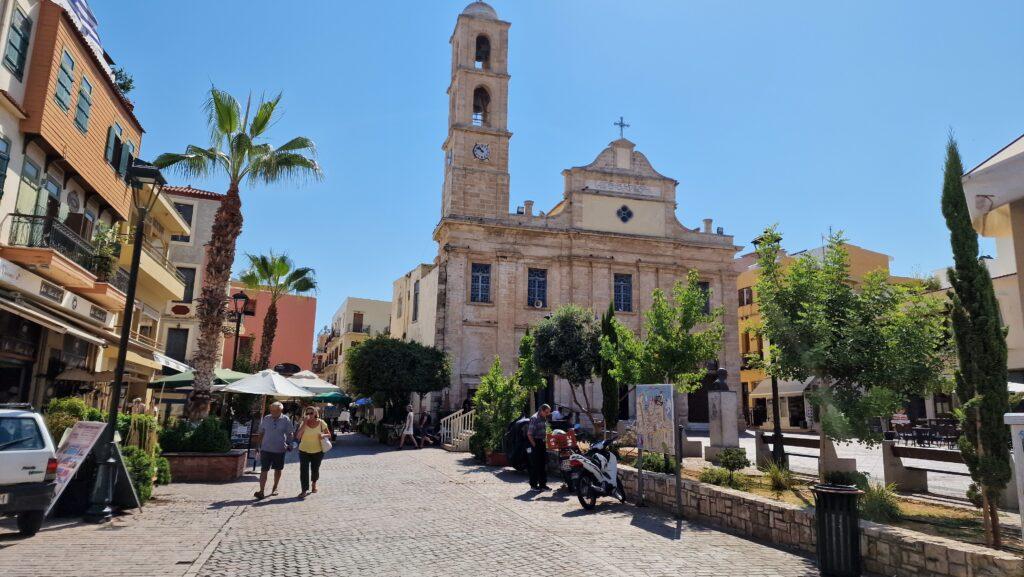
{"x": 835, "y": 508}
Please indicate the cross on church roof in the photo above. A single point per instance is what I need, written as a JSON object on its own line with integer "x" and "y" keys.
{"x": 622, "y": 126}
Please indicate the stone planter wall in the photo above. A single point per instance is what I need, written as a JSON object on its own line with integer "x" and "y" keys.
{"x": 206, "y": 467}
{"x": 886, "y": 550}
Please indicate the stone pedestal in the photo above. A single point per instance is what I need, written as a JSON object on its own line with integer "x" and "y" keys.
{"x": 722, "y": 419}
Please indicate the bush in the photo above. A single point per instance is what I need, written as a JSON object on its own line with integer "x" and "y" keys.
{"x": 163, "y": 471}
{"x": 724, "y": 478}
{"x": 732, "y": 459}
{"x": 95, "y": 415}
{"x": 779, "y": 478}
{"x": 658, "y": 463}
{"x": 207, "y": 437}
{"x": 854, "y": 478}
{"x": 879, "y": 503}
{"x": 68, "y": 406}
{"x": 499, "y": 400}
{"x": 478, "y": 445}
{"x": 58, "y": 422}
{"x": 974, "y": 495}
{"x": 140, "y": 470}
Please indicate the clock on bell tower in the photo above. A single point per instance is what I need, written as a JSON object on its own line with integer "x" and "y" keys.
{"x": 476, "y": 180}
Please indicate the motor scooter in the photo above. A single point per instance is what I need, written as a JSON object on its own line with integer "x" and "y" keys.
{"x": 597, "y": 473}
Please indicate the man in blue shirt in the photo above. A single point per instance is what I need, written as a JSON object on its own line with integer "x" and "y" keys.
{"x": 275, "y": 433}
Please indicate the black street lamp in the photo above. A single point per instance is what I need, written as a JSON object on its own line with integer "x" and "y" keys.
{"x": 146, "y": 183}
{"x": 241, "y": 303}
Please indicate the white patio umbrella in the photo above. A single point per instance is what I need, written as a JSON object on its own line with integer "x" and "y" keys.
{"x": 312, "y": 383}
{"x": 267, "y": 383}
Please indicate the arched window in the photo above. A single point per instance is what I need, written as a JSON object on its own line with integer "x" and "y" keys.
{"x": 483, "y": 52}
{"x": 481, "y": 103}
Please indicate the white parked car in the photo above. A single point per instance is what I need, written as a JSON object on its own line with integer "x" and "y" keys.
{"x": 28, "y": 466}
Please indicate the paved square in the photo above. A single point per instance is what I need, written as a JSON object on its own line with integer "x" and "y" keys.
{"x": 383, "y": 512}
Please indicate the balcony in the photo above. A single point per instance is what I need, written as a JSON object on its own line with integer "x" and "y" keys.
{"x": 352, "y": 328}
{"x": 155, "y": 271}
{"x": 48, "y": 247}
{"x": 110, "y": 292}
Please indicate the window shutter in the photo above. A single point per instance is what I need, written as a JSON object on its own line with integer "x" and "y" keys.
{"x": 109, "y": 152}
{"x": 126, "y": 154}
{"x": 26, "y": 35}
{"x": 4, "y": 161}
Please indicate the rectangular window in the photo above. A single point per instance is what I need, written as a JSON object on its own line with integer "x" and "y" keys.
{"x": 177, "y": 343}
{"x": 623, "y": 293}
{"x": 189, "y": 274}
{"x": 415, "y": 301}
{"x": 65, "y": 81}
{"x": 5, "y": 160}
{"x": 705, "y": 287}
{"x": 746, "y": 296}
{"x": 480, "y": 285}
{"x": 84, "y": 105}
{"x": 185, "y": 210}
{"x": 113, "y": 136}
{"x": 17, "y": 43}
{"x": 537, "y": 288}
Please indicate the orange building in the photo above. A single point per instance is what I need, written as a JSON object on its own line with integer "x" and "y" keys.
{"x": 296, "y": 322}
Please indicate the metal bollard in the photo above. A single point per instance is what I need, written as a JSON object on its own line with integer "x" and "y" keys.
{"x": 835, "y": 511}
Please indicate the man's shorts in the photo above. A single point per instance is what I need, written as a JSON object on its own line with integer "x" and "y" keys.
{"x": 273, "y": 461}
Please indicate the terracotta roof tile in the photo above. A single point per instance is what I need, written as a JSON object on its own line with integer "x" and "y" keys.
{"x": 193, "y": 192}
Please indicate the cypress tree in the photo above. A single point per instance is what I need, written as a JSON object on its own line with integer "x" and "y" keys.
{"x": 981, "y": 346}
{"x": 609, "y": 385}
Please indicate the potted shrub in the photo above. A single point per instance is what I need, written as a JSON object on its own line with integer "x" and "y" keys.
{"x": 201, "y": 453}
{"x": 105, "y": 242}
{"x": 499, "y": 401}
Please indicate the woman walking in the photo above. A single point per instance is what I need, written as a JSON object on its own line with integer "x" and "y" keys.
{"x": 408, "y": 431}
{"x": 310, "y": 434}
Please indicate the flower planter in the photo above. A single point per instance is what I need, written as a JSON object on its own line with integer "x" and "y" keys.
{"x": 496, "y": 459}
{"x": 206, "y": 467}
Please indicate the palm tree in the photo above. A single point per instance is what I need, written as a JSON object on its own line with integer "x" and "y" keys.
{"x": 236, "y": 149}
{"x": 275, "y": 274}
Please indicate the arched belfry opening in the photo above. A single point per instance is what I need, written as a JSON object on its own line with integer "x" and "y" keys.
{"x": 481, "y": 106}
{"x": 482, "y": 60}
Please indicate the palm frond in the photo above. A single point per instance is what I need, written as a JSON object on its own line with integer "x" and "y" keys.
{"x": 222, "y": 114}
{"x": 299, "y": 144}
{"x": 302, "y": 273}
{"x": 250, "y": 279}
{"x": 264, "y": 114}
{"x": 304, "y": 285}
{"x": 284, "y": 167}
{"x": 195, "y": 162}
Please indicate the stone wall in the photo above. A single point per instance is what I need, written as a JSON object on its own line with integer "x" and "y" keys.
{"x": 886, "y": 550}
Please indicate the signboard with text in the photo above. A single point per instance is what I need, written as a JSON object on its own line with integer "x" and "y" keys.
{"x": 72, "y": 452}
{"x": 655, "y": 418}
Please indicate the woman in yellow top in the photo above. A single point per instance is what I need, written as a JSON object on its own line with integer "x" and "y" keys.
{"x": 309, "y": 434}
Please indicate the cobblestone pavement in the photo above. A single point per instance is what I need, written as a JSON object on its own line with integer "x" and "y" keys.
{"x": 422, "y": 513}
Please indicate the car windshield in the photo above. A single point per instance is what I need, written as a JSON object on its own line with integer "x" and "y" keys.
{"x": 19, "y": 433}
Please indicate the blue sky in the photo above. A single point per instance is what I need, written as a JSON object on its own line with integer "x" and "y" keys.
{"x": 814, "y": 115}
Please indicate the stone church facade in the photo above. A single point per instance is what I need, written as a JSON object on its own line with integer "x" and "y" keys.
{"x": 614, "y": 237}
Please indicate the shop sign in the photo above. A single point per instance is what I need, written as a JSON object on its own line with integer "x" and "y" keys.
{"x": 33, "y": 284}
{"x": 98, "y": 314}
{"x": 51, "y": 292}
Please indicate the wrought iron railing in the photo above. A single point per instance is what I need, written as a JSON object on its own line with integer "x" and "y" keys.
{"x": 159, "y": 257}
{"x": 119, "y": 280}
{"x": 48, "y": 232}
{"x": 358, "y": 328}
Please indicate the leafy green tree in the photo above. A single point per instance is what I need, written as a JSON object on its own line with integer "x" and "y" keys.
{"x": 499, "y": 400}
{"x": 681, "y": 337}
{"x": 609, "y": 386}
{"x": 527, "y": 374}
{"x": 981, "y": 348}
{"x": 239, "y": 151}
{"x": 871, "y": 348}
{"x": 567, "y": 345}
{"x": 276, "y": 275}
{"x": 389, "y": 370}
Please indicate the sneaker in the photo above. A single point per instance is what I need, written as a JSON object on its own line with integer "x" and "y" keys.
{"x": 259, "y": 495}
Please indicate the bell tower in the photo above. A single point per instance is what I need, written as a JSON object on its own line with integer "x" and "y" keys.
{"x": 476, "y": 180}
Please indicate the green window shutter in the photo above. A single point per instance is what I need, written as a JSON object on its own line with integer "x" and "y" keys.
{"x": 26, "y": 35}
{"x": 4, "y": 161}
{"x": 109, "y": 152}
{"x": 126, "y": 154}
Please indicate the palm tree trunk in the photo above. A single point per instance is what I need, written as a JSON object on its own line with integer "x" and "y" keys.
{"x": 267, "y": 339}
{"x": 212, "y": 302}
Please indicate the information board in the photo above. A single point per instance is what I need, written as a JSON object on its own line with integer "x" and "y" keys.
{"x": 75, "y": 446}
{"x": 655, "y": 418}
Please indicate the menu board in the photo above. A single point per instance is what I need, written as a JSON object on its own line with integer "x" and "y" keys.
{"x": 74, "y": 447}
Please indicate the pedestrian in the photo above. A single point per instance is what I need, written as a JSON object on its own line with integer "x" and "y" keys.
{"x": 310, "y": 435}
{"x": 536, "y": 431}
{"x": 409, "y": 430}
{"x": 275, "y": 435}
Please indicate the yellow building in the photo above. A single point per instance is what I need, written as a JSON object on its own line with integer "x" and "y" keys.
{"x": 355, "y": 321}
{"x": 795, "y": 410}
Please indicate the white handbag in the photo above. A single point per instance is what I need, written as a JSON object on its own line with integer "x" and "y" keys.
{"x": 325, "y": 444}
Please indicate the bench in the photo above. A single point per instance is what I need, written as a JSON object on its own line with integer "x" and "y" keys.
{"x": 828, "y": 460}
{"x": 915, "y": 478}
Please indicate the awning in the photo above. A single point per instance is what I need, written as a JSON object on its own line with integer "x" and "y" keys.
{"x": 56, "y": 322}
{"x": 142, "y": 361}
{"x": 171, "y": 363}
{"x": 786, "y": 388}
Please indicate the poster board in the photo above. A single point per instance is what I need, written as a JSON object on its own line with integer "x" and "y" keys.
{"x": 74, "y": 447}
{"x": 655, "y": 418}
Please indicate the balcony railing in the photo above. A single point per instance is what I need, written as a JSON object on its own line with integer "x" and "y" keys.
{"x": 119, "y": 280}
{"x": 48, "y": 232}
{"x": 358, "y": 328}
{"x": 159, "y": 257}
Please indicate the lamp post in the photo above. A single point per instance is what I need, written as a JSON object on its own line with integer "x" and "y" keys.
{"x": 146, "y": 183}
{"x": 241, "y": 303}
